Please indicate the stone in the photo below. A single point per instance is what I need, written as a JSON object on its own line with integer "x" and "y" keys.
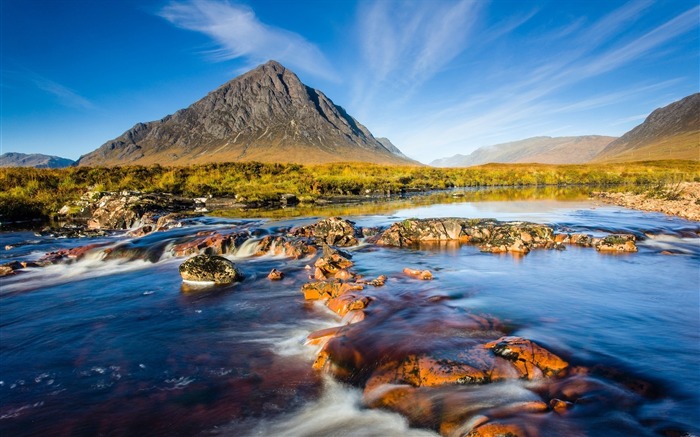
{"x": 275, "y": 275}
{"x": 616, "y": 243}
{"x": 208, "y": 268}
{"x": 208, "y": 243}
{"x": 531, "y": 360}
{"x": 347, "y": 302}
{"x": 334, "y": 231}
{"x": 324, "y": 290}
{"x": 420, "y": 274}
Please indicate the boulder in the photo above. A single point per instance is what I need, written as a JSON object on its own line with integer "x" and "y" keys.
{"x": 334, "y": 231}
{"x": 530, "y": 359}
{"x": 616, "y": 243}
{"x": 208, "y": 268}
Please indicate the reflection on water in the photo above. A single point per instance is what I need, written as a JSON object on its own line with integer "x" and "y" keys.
{"x": 115, "y": 348}
{"x": 390, "y": 205}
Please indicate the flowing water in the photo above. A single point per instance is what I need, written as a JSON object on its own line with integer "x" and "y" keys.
{"x": 122, "y": 347}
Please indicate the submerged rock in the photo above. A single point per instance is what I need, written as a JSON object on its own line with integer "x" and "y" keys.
{"x": 207, "y": 268}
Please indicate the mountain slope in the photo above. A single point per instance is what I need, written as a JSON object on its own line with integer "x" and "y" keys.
{"x": 388, "y": 145}
{"x": 545, "y": 150}
{"x": 34, "y": 160}
{"x": 266, "y": 115}
{"x": 671, "y": 132}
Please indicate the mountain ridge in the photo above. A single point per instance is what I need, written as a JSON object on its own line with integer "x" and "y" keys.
{"x": 540, "y": 149}
{"x": 669, "y": 132}
{"x": 36, "y": 160}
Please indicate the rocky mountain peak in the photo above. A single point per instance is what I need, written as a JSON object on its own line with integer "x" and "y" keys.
{"x": 266, "y": 114}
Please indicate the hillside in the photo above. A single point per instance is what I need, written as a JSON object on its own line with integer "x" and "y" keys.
{"x": 671, "y": 132}
{"x": 543, "y": 150}
{"x": 265, "y": 115}
{"x": 36, "y": 160}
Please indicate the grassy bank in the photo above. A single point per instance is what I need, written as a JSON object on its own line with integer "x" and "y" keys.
{"x": 30, "y": 193}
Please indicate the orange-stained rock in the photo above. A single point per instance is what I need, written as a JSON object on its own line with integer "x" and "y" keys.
{"x": 298, "y": 249}
{"x": 340, "y": 358}
{"x": 211, "y": 244}
{"x": 275, "y": 275}
{"x": 324, "y": 290}
{"x": 581, "y": 240}
{"x": 562, "y": 238}
{"x": 496, "y": 429}
{"x": 319, "y": 275}
{"x": 318, "y": 337}
{"x": 353, "y": 316}
{"x": 531, "y": 360}
{"x": 74, "y": 253}
{"x": 416, "y": 405}
{"x": 348, "y": 302}
{"x": 422, "y": 274}
{"x": 332, "y": 264}
{"x": 432, "y": 372}
{"x": 617, "y": 243}
{"x": 344, "y": 275}
{"x": 559, "y": 406}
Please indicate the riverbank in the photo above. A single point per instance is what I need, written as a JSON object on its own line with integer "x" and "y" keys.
{"x": 29, "y": 193}
{"x": 681, "y": 200}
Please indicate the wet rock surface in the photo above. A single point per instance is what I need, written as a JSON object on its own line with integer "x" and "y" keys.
{"x": 444, "y": 368}
{"x": 490, "y": 235}
{"x": 208, "y": 268}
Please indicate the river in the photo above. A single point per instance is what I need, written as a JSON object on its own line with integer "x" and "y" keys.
{"x": 121, "y": 347}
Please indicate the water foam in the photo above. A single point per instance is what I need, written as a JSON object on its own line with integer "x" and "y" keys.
{"x": 338, "y": 413}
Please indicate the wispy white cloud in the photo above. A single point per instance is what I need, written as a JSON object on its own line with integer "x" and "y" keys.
{"x": 64, "y": 95}
{"x": 239, "y": 33}
{"x": 404, "y": 44}
{"x": 530, "y": 97}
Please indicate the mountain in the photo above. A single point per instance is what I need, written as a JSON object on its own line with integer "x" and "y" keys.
{"x": 388, "y": 145}
{"x": 33, "y": 160}
{"x": 545, "y": 150}
{"x": 671, "y": 132}
{"x": 266, "y": 114}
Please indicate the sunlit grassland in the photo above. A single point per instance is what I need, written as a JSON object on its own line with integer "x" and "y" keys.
{"x": 32, "y": 193}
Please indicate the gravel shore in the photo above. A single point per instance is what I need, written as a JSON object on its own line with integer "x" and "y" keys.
{"x": 687, "y": 205}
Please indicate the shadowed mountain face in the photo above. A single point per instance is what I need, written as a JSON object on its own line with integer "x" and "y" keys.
{"x": 34, "y": 160}
{"x": 671, "y": 132}
{"x": 544, "y": 150}
{"x": 265, "y": 115}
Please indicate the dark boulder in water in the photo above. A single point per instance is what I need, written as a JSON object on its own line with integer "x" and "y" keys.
{"x": 207, "y": 268}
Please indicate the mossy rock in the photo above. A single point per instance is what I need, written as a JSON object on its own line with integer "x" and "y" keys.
{"x": 208, "y": 268}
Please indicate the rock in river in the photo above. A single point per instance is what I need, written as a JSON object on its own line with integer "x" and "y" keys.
{"x": 207, "y": 268}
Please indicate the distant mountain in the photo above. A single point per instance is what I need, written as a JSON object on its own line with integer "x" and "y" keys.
{"x": 544, "y": 150}
{"x": 33, "y": 160}
{"x": 266, "y": 115}
{"x": 671, "y": 132}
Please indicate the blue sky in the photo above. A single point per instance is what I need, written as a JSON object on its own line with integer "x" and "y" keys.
{"x": 436, "y": 77}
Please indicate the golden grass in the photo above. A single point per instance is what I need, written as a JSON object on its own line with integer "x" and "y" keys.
{"x": 29, "y": 192}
